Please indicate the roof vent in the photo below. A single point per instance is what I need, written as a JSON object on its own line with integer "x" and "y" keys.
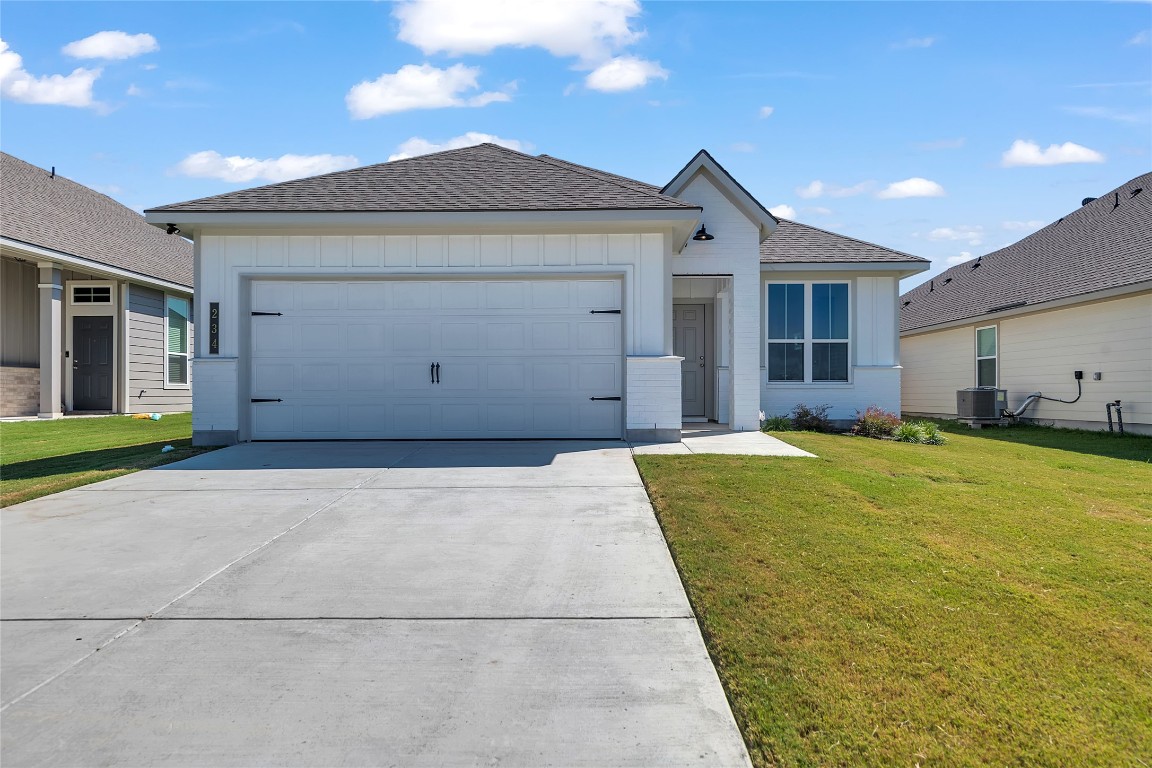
{"x": 1116, "y": 204}
{"x": 976, "y": 263}
{"x": 1087, "y": 200}
{"x": 906, "y": 302}
{"x": 947, "y": 280}
{"x": 1136, "y": 191}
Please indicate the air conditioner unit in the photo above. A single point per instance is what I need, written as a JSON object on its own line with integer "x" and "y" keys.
{"x": 981, "y": 402}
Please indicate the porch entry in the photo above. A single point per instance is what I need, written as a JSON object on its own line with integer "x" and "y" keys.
{"x": 92, "y": 363}
{"x": 689, "y": 336}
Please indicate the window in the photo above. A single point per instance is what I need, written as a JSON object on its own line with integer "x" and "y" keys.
{"x": 986, "y": 356}
{"x": 808, "y": 332}
{"x": 177, "y": 334}
{"x": 92, "y": 294}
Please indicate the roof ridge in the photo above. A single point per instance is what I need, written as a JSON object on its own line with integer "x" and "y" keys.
{"x": 610, "y": 178}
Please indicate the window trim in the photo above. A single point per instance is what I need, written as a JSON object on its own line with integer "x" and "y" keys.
{"x": 994, "y": 357}
{"x": 107, "y": 284}
{"x": 808, "y": 341}
{"x": 187, "y": 354}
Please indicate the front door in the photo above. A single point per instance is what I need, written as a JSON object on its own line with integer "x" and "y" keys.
{"x": 688, "y": 342}
{"x": 92, "y": 363}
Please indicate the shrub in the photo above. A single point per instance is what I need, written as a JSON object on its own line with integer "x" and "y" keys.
{"x": 776, "y": 423}
{"x": 875, "y": 422}
{"x": 910, "y": 432}
{"x": 932, "y": 434}
{"x": 811, "y": 419}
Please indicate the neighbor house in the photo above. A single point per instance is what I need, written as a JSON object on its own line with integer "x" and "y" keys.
{"x": 1073, "y": 296}
{"x": 96, "y": 312}
{"x": 482, "y": 292}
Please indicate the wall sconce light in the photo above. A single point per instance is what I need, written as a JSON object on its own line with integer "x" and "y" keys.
{"x": 702, "y": 234}
{"x": 173, "y": 229}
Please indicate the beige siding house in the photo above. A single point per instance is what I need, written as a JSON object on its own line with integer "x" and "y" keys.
{"x": 1074, "y": 296}
{"x": 95, "y": 304}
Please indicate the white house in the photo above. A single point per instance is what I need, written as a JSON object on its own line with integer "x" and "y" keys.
{"x": 95, "y": 305}
{"x": 1074, "y": 296}
{"x": 482, "y": 292}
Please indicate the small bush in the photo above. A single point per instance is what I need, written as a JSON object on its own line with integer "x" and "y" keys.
{"x": 932, "y": 434}
{"x": 910, "y": 432}
{"x": 875, "y": 422}
{"x": 811, "y": 418}
{"x": 776, "y": 423}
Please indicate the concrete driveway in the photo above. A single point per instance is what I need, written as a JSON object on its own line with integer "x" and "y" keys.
{"x": 381, "y": 603}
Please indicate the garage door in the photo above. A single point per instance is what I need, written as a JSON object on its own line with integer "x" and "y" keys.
{"x": 436, "y": 359}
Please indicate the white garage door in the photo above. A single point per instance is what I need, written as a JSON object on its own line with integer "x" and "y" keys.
{"x": 436, "y": 359}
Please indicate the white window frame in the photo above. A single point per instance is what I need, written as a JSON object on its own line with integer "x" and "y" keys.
{"x": 807, "y": 341}
{"x": 995, "y": 357}
{"x": 187, "y": 354}
{"x": 108, "y": 284}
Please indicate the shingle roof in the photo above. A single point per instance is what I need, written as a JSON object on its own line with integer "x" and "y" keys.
{"x": 61, "y": 215}
{"x": 795, "y": 242}
{"x": 473, "y": 179}
{"x": 1104, "y": 244}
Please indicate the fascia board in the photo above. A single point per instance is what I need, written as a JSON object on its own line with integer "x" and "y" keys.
{"x": 900, "y": 269}
{"x": 47, "y": 254}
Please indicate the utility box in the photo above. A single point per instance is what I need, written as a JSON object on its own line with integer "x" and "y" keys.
{"x": 981, "y": 403}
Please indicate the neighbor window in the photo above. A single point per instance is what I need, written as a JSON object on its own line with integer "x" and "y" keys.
{"x": 807, "y": 332}
{"x": 92, "y": 294}
{"x": 986, "y": 356}
{"x": 178, "y": 351}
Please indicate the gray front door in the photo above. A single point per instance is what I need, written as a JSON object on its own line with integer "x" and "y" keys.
{"x": 92, "y": 363}
{"x": 688, "y": 342}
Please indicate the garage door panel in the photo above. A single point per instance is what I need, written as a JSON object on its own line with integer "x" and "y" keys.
{"x": 517, "y": 359}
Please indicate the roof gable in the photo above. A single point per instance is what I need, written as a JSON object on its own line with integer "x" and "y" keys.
{"x": 47, "y": 210}
{"x": 1102, "y": 245}
{"x": 481, "y": 178}
{"x": 704, "y": 164}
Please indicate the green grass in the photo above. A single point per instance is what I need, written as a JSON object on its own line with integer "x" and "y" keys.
{"x": 42, "y": 457}
{"x": 984, "y": 602}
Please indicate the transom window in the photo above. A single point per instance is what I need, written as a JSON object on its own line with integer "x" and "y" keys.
{"x": 91, "y": 294}
{"x": 986, "y": 356}
{"x": 179, "y": 312}
{"x": 808, "y": 332}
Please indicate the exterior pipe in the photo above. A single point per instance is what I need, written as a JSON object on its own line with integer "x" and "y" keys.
{"x": 1024, "y": 406}
{"x": 1108, "y": 409}
{"x": 1119, "y": 417}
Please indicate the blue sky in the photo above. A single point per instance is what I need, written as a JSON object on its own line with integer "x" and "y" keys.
{"x": 946, "y": 130}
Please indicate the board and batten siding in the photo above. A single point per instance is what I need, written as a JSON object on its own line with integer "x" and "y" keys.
{"x": 1039, "y": 352}
{"x": 19, "y": 314}
{"x": 147, "y": 347}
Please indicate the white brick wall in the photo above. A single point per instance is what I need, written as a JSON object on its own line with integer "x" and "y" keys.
{"x": 653, "y": 392}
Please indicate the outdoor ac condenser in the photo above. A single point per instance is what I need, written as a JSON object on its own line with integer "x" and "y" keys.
{"x": 981, "y": 402}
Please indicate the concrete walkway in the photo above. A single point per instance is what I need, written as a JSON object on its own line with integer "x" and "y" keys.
{"x": 417, "y": 604}
{"x": 718, "y": 439}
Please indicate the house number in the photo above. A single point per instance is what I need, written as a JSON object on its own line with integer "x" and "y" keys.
{"x": 214, "y": 328}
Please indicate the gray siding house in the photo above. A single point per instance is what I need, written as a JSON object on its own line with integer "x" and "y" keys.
{"x": 95, "y": 304}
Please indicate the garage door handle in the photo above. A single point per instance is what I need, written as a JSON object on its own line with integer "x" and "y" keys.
{"x": 603, "y": 398}
{"x": 437, "y": 373}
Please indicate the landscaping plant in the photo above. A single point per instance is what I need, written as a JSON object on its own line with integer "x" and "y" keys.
{"x": 811, "y": 418}
{"x": 875, "y": 422}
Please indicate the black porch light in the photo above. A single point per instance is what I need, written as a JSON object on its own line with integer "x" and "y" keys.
{"x": 702, "y": 234}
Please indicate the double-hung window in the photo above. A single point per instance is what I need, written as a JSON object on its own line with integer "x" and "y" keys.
{"x": 808, "y": 333}
{"x": 178, "y": 352}
{"x": 986, "y": 355}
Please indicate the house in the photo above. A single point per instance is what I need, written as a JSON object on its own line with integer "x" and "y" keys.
{"x": 482, "y": 292}
{"x": 1073, "y": 296}
{"x": 95, "y": 304}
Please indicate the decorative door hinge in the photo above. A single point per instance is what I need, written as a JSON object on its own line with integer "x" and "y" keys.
{"x": 604, "y": 312}
{"x": 267, "y": 314}
{"x": 267, "y": 400}
{"x": 604, "y": 398}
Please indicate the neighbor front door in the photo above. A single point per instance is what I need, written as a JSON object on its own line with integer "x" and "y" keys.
{"x": 92, "y": 363}
{"x": 688, "y": 342}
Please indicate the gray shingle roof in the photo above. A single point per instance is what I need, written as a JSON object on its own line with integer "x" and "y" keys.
{"x": 1104, "y": 244}
{"x": 480, "y": 178}
{"x": 795, "y": 242}
{"x": 64, "y": 216}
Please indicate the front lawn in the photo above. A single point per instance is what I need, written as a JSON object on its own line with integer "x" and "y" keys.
{"x": 985, "y": 602}
{"x": 42, "y": 457}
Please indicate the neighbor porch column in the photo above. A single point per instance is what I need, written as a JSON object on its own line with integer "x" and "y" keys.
{"x": 51, "y": 340}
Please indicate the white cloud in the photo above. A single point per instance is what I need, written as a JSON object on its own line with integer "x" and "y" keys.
{"x": 1021, "y": 226}
{"x": 973, "y": 235}
{"x": 766, "y": 112}
{"x": 419, "y": 146}
{"x": 817, "y": 188}
{"x": 914, "y": 42}
{"x": 1140, "y": 38}
{"x": 134, "y": 90}
{"x": 954, "y": 260}
{"x": 1029, "y": 153}
{"x": 783, "y": 211}
{"x": 419, "y": 87}
{"x": 743, "y": 146}
{"x": 111, "y": 45}
{"x": 914, "y": 187}
{"x": 74, "y": 90}
{"x": 212, "y": 165}
{"x": 590, "y": 30}
{"x": 624, "y": 73}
